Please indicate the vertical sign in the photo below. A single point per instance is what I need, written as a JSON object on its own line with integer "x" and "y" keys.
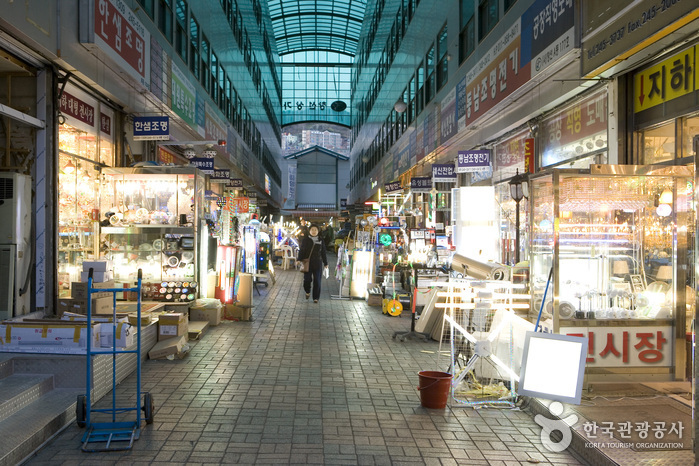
{"x": 184, "y": 97}
{"x": 529, "y": 155}
{"x": 120, "y": 35}
{"x": 449, "y": 125}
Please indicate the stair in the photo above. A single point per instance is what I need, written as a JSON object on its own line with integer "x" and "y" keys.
{"x": 32, "y": 410}
{"x": 38, "y": 394}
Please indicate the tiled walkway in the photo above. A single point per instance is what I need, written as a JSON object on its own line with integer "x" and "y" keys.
{"x": 309, "y": 383}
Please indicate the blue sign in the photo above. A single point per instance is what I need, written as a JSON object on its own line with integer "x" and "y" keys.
{"x": 393, "y": 187}
{"x": 443, "y": 173}
{"x": 205, "y": 165}
{"x": 422, "y": 184}
{"x": 151, "y": 128}
{"x": 473, "y": 161}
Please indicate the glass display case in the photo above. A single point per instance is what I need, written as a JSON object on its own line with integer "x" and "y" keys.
{"x": 619, "y": 242}
{"x": 150, "y": 221}
{"x": 78, "y": 195}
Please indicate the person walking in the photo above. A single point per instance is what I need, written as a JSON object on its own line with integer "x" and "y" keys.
{"x": 312, "y": 247}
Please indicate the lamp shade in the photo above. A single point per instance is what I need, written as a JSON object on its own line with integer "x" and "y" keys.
{"x": 664, "y": 272}
{"x": 400, "y": 106}
{"x": 620, "y": 267}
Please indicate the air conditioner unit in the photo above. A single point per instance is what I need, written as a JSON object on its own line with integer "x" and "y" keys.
{"x": 15, "y": 243}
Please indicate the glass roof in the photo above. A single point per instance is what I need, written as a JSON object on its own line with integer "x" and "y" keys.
{"x": 332, "y": 25}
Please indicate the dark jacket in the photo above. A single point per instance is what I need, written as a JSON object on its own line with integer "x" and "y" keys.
{"x": 318, "y": 256}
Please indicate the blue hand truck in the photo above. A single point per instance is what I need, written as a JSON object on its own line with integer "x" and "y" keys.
{"x": 103, "y": 436}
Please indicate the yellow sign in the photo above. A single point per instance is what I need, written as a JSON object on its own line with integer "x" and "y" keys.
{"x": 665, "y": 81}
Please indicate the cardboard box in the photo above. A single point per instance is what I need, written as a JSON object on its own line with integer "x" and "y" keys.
{"x": 100, "y": 305}
{"x": 374, "y": 299}
{"x": 78, "y": 290}
{"x": 47, "y": 335}
{"x": 212, "y": 315}
{"x": 172, "y": 325}
{"x": 170, "y": 348}
{"x": 125, "y": 335}
{"x": 98, "y": 266}
{"x": 235, "y": 312}
{"x": 146, "y": 319}
{"x": 97, "y": 277}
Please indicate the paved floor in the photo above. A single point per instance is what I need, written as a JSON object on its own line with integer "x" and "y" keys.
{"x": 309, "y": 383}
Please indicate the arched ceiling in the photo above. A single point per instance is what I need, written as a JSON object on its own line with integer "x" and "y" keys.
{"x": 332, "y": 25}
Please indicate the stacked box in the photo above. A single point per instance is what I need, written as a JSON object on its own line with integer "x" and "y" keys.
{"x": 241, "y": 313}
{"x": 125, "y": 335}
{"x": 78, "y": 290}
{"x": 146, "y": 319}
{"x": 172, "y": 325}
{"x": 102, "y": 271}
{"x": 210, "y": 314}
{"x": 100, "y": 305}
{"x": 31, "y": 336}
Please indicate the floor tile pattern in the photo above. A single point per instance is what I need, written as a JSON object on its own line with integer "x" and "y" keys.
{"x": 307, "y": 383}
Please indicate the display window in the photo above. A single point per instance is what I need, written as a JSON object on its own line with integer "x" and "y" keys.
{"x": 85, "y": 144}
{"x": 620, "y": 249}
{"x": 657, "y": 144}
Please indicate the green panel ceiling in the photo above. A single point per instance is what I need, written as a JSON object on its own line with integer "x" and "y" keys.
{"x": 332, "y": 25}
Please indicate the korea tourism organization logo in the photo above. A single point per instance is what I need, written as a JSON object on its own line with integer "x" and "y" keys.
{"x": 636, "y": 434}
{"x": 552, "y": 426}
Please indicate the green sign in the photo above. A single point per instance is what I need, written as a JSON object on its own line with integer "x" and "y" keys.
{"x": 184, "y": 97}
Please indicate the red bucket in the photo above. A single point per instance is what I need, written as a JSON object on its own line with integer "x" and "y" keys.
{"x": 434, "y": 389}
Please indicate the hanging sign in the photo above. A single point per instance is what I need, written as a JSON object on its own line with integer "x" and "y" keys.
{"x": 393, "y": 187}
{"x": 239, "y": 205}
{"x": 220, "y": 175}
{"x": 235, "y": 183}
{"x": 422, "y": 184}
{"x": 205, "y": 165}
{"x": 151, "y": 128}
{"x": 473, "y": 161}
{"x": 443, "y": 173}
{"x": 76, "y": 108}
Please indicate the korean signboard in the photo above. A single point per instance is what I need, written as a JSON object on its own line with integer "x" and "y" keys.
{"x": 644, "y": 22}
{"x": 443, "y": 173}
{"x": 575, "y": 130}
{"x": 670, "y": 79}
{"x": 123, "y": 38}
{"x": 626, "y": 346}
{"x": 151, "y": 128}
{"x": 393, "y": 187}
{"x": 106, "y": 123}
{"x": 449, "y": 126}
{"x": 205, "y": 165}
{"x": 77, "y": 108}
{"x": 221, "y": 175}
{"x": 184, "y": 97}
{"x": 473, "y": 161}
{"x": 494, "y": 77}
{"x": 235, "y": 183}
{"x": 422, "y": 184}
{"x": 548, "y": 33}
{"x": 239, "y": 205}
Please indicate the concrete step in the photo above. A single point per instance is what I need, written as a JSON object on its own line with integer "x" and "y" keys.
{"x": 20, "y": 390}
{"x": 5, "y": 367}
{"x": 29, "y": 428}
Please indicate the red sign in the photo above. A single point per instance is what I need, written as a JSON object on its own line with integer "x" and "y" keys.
{"x": 626, "y": 346}
{"x": 239, "y": 205}
{"x": 118, "y": 33}
{"x": 584, "y": 119}
{"x": 105, "y": 124}
{"x": 76, "y": 108}
{"x": 510, "y": 153}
